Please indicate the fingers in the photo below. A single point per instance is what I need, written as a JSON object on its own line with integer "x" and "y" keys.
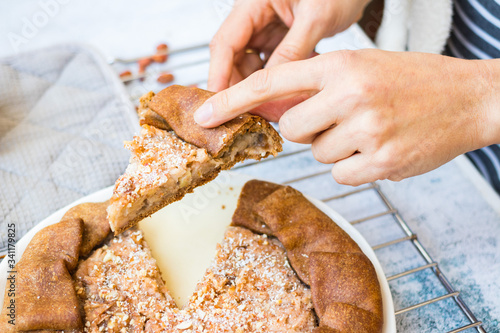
{"x": 355, "y": 170}
{"x": 298, "y": 43}
{"x": 232, "y": 37}
{"x": 304, "y": 122}
{"x": 335, "y": 144}
{"x": 220, "y": 68}
{"x": 272, "y": 111}
{"x": 248, "y": 64}
{"x": 255, "y": 24}
{"x": 269, "y": 38}
{"x": 281, "y": 82}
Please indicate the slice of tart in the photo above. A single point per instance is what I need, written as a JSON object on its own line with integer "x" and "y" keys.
{"x": 172, "y": 159}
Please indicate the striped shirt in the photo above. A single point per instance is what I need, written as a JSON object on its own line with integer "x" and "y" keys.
{"x": 475, "y": 34}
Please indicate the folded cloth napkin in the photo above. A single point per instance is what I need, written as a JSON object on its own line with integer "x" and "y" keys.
{"x": 63, "y": 117}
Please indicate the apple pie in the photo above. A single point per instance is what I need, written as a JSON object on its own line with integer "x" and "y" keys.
{"x": 299, "y": 273}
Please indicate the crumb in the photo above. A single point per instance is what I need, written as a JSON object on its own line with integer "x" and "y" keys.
{"x": 249, "y": 287}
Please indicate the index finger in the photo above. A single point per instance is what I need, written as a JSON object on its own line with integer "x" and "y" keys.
{"x": 231, "y": 38}
{"x": 270, "y": 84}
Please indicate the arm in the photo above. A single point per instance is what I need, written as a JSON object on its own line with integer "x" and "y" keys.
{"x": 375, "y": 114}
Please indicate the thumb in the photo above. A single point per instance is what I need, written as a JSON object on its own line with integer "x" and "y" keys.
{"x": 218, "y": 109}
{"x": 298, "y": 44}
{"x": 271, "y": 111}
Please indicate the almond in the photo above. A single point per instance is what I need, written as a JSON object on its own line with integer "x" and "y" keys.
{"x": 162, "y": 47}
{"x": 160, "y": 58}
{"x": 125, "y": 74}
{"x": 165, "y": 78}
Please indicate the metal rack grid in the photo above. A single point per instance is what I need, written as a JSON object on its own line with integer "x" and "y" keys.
{"x": 409, "y": 236}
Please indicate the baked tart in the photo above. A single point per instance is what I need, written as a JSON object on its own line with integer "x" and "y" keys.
{"x": 173, "y": 154}
{"x": 301, "y": 273}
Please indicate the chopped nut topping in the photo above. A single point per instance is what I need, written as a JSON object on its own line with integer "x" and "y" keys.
{"x": 249, "y": 287}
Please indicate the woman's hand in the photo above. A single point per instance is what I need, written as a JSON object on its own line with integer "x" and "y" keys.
{"x": 375, "y": 114}
{"x": 283, "y": 30}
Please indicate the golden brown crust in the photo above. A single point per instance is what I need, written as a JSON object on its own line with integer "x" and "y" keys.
{"x": 343, "y": 317}
{"x": 252, "y": 192}
{"x": 95, "y": 224}
{"x": 348, "y": 278}
{"x": 177, "y": 104}
{"x": 60, "y": 241}
{"x": 344, "y": 284}
{"x": 297, "y": 222}
{"x": 45, "y": 297}
{"x": 148, "y": 116}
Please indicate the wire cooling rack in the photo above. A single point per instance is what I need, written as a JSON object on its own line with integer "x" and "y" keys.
{"x": 423, "y": 315}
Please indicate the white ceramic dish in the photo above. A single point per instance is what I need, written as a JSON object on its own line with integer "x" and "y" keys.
{"x": 202, "y": 218}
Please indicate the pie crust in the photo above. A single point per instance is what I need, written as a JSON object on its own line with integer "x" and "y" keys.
{"x": 345, "y": 289}
{"x": 45, "y": 298}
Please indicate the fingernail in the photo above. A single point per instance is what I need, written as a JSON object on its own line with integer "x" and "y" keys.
{"x": 204, "y": 113}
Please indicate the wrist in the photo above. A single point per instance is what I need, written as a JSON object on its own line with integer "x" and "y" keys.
{"x": 489, "y": 77}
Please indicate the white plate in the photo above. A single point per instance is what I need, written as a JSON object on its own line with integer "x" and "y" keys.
{"x": 202, "y": 218}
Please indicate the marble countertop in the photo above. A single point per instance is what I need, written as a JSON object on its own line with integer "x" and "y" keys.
{"x": 452, "y": 210}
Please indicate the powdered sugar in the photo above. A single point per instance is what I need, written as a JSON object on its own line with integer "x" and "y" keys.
{"x": 248, "y": 288}
{"x": 157, "y": 155}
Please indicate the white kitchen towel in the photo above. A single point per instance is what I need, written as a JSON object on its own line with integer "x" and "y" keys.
{"x": 63, "y": 117}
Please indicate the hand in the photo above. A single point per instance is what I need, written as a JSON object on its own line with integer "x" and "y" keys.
{"x": 283, "y": 30}
{"x": 375, "y": 114}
